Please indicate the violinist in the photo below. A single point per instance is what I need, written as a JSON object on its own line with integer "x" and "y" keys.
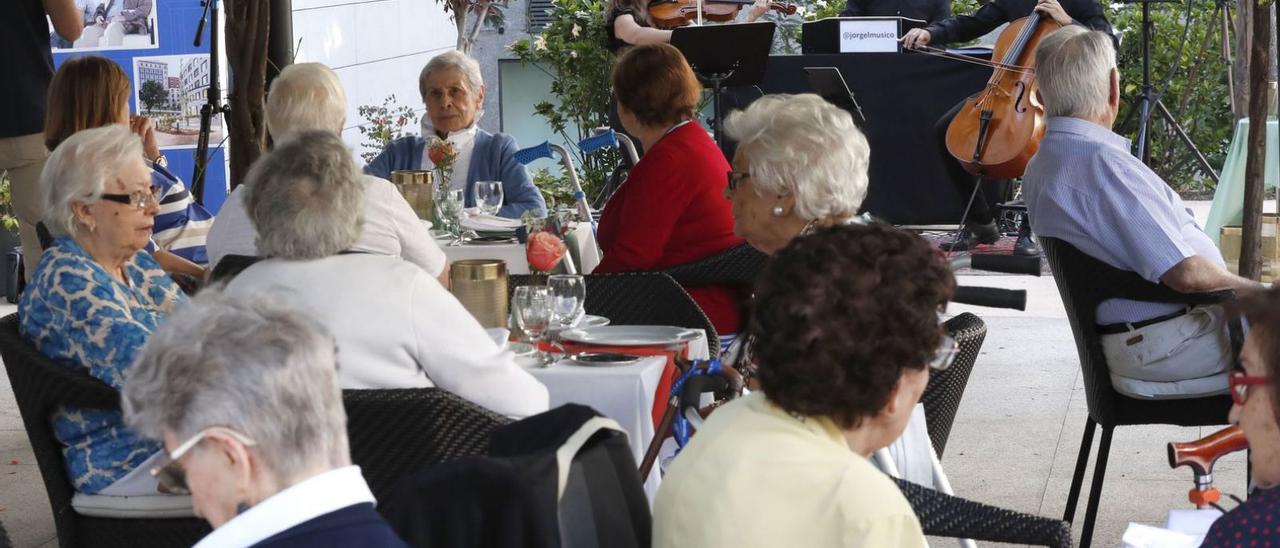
{"x": 628, "y": 23}
{"x": 979, "y": 226}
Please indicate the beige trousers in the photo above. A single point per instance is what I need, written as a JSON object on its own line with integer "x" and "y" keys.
{"x": 22, "y": 158}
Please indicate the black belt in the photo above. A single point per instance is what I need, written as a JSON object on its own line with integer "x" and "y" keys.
{"x": 1112, "y": 329}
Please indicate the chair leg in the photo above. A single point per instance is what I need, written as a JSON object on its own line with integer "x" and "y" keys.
{"x": 1077, "y": 478}
{"x": 1095, "y": 491}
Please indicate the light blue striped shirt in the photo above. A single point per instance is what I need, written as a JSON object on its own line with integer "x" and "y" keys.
{"x": 1084, "y": 187}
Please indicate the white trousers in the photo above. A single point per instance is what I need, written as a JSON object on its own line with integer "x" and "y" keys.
{"x": 1185, "y": 357}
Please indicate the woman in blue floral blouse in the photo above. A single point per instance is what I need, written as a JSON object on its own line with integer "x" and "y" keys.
{"x": 95, "y": 296}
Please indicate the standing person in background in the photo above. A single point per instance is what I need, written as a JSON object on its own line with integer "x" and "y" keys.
{"x": 27, "y": 68}
{"x": 929, "y": 11}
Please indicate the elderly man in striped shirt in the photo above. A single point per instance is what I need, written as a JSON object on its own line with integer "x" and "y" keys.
{"x": 1084, "y": 187}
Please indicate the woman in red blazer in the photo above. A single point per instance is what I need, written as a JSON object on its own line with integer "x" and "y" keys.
{"x": 671, "y": 210}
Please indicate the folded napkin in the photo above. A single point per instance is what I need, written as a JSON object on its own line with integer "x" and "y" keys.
{"x": 490, "y": 223}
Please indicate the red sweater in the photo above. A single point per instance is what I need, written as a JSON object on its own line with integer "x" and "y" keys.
{"x": 672, "y": 211}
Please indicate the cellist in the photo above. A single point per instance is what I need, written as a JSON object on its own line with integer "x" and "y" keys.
{"x": 979, "y": 226}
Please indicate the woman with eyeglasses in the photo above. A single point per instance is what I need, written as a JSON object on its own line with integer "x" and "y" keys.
{"x": 96, "y": 296}
{"x": 846, "y": 328}
{"x": 89, "y": 92}
{"x": 1256, "y": 394}
{"x": 244, "y": 393}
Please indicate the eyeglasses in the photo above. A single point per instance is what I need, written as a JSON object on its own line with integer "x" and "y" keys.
{"x": 1240, "y": 383}
{"x": 139, "y": 198}
{"x": 172, "y": 478}
{"x": 734, "y": 178}
{"x": 945, "y": 355}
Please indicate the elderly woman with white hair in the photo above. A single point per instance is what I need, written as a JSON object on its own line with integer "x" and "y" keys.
{"x": 244, "y": 394}
{"x": 397, "y": 326}
{"x": 801, "y": 164}
{"x": 309, "y": 96}
{"x": 96, "y": 296}
{"x": 453, "y": 91}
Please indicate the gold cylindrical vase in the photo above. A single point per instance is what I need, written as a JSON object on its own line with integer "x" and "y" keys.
{"x": 481, "y": 286}
{"x": 418, "y": 188}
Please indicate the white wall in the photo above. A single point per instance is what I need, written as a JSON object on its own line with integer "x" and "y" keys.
{"x": 377, "y": 48}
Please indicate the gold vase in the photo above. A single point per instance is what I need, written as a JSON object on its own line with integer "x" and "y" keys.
{"x": 481, "y": 286}
{"x": 416, "y": 185}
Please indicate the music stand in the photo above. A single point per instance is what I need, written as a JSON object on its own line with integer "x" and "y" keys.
{"x": 829, "y": 83}
{"x": 725, "y": 56}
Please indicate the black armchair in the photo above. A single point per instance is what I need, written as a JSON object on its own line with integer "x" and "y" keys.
{"x": 942, "y": 395}
{"x": 1083, "y": 283}
{"x": 40, "y": 387}
{"x": 943, "y": 515}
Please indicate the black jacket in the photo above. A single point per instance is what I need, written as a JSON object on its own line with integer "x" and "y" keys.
{"x": 355, "y": 525}
{"x": 962, "y": 28}
{"x": 930, "y": 11}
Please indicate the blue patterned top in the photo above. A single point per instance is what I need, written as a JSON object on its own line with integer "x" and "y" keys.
{"x": 77, "y": 314}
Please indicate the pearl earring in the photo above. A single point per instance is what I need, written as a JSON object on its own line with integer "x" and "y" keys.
{"x": 778, "y": 211}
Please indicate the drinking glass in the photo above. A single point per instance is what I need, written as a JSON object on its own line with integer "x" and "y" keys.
{"x": 488, "y": 196}
{"x": 532, "y": 307}
{"x": 568, "y": 296}
{"x": 450, "y": 207}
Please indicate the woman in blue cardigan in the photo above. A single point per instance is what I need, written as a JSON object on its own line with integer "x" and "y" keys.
{"x": 453, "y": 91}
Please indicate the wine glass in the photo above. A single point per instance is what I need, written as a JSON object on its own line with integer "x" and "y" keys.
{"x": 532, "y": 307}
{"x": 488, "y": 196}
{"x": 568, "y": 296}
{"x": 450, "y": 205}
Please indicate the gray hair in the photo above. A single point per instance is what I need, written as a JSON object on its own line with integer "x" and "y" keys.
{"x": 1073, "y": 69}
{"x": 305, "y": 96}
{"x": 78, "y": 171}
{"x": 803, "y": 146}
{"x": 306, "y": 197}
{"x": 452, "y": 59}
{"x": 249, "y": 363}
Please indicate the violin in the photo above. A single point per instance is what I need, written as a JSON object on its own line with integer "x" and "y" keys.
{"x": 669, "y": 14}
{"x": 998, "y": 130}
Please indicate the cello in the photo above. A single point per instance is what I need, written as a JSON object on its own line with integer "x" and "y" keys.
{"x": 998, "y": 130}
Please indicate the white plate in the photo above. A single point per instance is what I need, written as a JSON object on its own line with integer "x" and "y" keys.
{"x": 592, "y": 321}
{"x": 631, "y": 335}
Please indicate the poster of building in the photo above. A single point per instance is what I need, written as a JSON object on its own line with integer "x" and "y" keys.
{"x": 112, "y": 24}
{"x": 171, "y": 89}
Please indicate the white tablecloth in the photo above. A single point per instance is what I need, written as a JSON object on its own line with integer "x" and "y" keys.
{"x": 585, "y": 251}
{"x": 624, "y": 394}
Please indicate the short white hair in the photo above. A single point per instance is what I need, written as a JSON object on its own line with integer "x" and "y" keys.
{"x": 306, "y": 197}
{"x": 250, "y": 363}
{"x": 305, "y": 96}
{"x": 456, "y": 60}
{"x": 1073, "y": 71}
{"x": 803, "y": 146}
{"x": 78, "y": 171}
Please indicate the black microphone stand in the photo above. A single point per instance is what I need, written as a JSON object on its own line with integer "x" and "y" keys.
{"x": 213, "y": 102}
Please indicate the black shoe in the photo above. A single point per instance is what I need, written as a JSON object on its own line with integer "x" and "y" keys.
{"x": 972, "y": 236}
{"x": 1026, "y": 246}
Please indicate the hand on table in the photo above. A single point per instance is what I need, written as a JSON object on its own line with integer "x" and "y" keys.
{"x": 1053, "y": 9}
{"x": 916, "y": 38}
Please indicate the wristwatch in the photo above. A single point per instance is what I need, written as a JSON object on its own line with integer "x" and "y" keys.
{"x": 161, "y": 161}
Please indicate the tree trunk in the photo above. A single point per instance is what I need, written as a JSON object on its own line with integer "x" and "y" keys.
{"x": 1255, "y": 164}
{"x": 482, "y": 12}
{"x": 1240, "y": 65}
{"x": 460, "y": 12}
{"x": 248, "y": 30}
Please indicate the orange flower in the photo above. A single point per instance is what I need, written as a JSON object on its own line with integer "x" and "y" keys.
{"x": 544, "y": 251}
{"x": 441, "y": 151}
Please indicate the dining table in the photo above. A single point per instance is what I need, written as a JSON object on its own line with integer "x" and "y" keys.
{"x": 580, "y": 240}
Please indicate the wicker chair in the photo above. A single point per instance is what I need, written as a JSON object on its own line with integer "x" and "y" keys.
{"x": 396, "y": 432}
{"x": 943, "y": 515}
{"x": 941, "y": 397}
{"x": 1084, "y": 282}
{"x": 737, "y": 266}
{"x": 639, "y": 298}
{"x": 40, "y": 386}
